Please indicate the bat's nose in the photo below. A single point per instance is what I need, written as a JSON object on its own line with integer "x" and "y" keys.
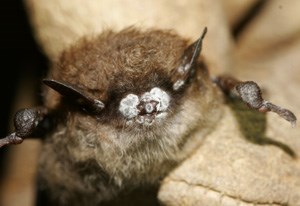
{"x": 147, "y": 107}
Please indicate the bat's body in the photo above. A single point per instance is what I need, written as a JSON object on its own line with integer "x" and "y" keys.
{"x": 126, "y": 108}
{"x": 97, "y": 155}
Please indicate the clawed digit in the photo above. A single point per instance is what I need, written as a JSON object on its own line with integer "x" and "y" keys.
{"x": 25, "y": 121}
{"x": 250, "y": 93}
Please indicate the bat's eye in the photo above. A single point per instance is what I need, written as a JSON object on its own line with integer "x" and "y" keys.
{"x": 145, "y": 109}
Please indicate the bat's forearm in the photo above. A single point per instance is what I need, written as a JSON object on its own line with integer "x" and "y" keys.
{"x": 251, "y": 94}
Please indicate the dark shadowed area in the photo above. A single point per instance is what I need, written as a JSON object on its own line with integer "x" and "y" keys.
{"x": 21, "y": 60}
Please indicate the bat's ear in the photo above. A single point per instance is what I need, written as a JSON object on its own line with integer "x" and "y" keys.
{"x": 74, "y": 94}
{"x": 188, "y": 60}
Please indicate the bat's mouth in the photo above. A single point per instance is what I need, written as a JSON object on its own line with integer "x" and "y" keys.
{"x": 146, "y": 109}
{"x": 149, "y": 119}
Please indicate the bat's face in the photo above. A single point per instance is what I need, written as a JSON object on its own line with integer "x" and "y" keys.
{"x": 149, "y": 83}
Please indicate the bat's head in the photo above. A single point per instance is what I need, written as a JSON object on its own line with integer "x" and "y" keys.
{"x": 137, "y": 82}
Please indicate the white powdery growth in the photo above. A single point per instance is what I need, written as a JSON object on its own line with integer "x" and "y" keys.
{"x": 129, "y": 105}
{"x": 182, "y": 70}
{"x": 178, "y": 84}
{"x": 161, "y": 97}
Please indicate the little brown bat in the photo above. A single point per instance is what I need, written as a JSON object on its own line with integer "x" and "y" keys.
{"x": 124, "y": 109}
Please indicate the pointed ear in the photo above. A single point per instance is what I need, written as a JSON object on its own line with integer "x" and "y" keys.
{"x": 74, "y": 94}
{"x": 189, "y": 58}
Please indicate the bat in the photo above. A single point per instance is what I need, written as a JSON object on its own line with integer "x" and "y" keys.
{"x": 122, "y": 109}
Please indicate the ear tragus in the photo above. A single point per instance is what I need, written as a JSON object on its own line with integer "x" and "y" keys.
{"x": 188, "y": 59}
{"x": 72, "y": 93}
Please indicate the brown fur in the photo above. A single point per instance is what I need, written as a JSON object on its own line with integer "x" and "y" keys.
{"x": 89, "y": 159}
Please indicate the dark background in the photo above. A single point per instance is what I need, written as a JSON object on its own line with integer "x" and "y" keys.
{"x": 21, "y": 58}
